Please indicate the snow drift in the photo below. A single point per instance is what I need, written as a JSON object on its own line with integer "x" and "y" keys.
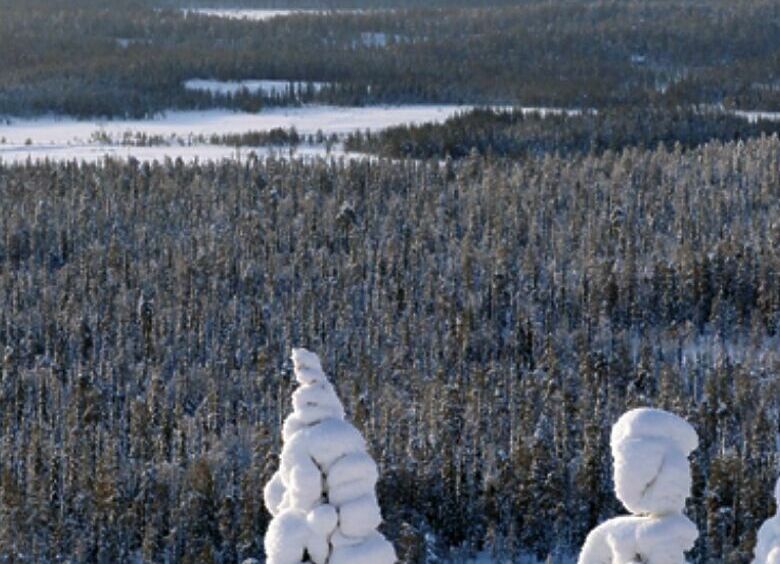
{"x": 650, "y": 449}
{"x": 322, "y": 497}
{"x": 768, "y": 541}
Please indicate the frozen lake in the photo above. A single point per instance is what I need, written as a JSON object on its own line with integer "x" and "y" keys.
{"x": 65, "y": 138}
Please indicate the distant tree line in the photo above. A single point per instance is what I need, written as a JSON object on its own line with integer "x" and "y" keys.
{"x": 516, "y": 133}
{"x": 275, "y": 137}
{"x": 485, "y": 323}
{"x": 119, "y": 57}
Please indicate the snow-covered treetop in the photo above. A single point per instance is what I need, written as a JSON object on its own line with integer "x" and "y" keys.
{"x": 323, "y": 497}
{"x": 649, "y": 423}
{"x": 315, "y": 400}
{"x": 307, "y": 365}
{"x": 650, "y": 448}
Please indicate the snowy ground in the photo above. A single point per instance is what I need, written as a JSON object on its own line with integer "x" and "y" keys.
{"x": 262, "y": 15}
{"x": 264, "y": 87}
{"x": 64, "y": 138}
{"x": 753, "y": 117}
{"x": 306, "y": 120}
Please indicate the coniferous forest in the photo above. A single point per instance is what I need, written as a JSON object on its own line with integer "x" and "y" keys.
{"x": 483, "y": 322}
{"x": 130, "y": 57}
{"x": 488, "y": 294}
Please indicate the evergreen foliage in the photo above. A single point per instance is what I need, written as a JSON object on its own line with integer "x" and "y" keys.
{"x": 120, "y": 57}
{"x": 484, "y": 323}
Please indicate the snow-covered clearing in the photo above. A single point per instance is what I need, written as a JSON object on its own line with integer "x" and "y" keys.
{"x": 181, "y": 124}
{"x": 753, "y": 117}
{"x": 263, "y": 15}
{"x": 237, "y": 14}
{"x": 264, "y": 87}
{"x": 65, "y": 138}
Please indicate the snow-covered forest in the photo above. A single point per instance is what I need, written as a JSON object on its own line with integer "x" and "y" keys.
{"x": 483, "y": 323}
{"x": 366, "y": 281}
{"x": 130, "y": 58}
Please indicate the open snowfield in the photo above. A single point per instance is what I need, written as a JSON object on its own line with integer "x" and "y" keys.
{"x": 306, "y": 120}
{"x": 755, "y": 116}
{"x": 262, "y": 15}
{"x": 64, "y": 138}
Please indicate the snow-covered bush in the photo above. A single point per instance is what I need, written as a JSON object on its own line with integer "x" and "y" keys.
{"x": 768, "y": 541}
{"x": 650, "y": 449}
{"x": 322, "y": 497}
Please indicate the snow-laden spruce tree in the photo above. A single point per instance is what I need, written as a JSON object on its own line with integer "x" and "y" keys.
{"x": 322, "y": 498}
{"x": 768, "y": 541}
{"x": 650, "y": 449}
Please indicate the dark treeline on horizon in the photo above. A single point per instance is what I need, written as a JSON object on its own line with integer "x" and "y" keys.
{"x": 117, "y": 58}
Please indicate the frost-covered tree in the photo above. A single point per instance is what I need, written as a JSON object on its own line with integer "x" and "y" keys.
{"x": 768, "y": 540}
{"x": 650, "y": 448}
{"x": 323, "y": 496}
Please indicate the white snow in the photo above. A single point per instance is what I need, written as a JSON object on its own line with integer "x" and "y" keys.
{"x": 323, "y": 496}
{"x": 237, "y": 14}
{"x": 658, "y": 540}
{"x": 65, "y": 138}
{"x": 768, "y": 540}
{"x": 751, "y": 115}
{"x": 650, "y": 449}
{"x": 264, "y": 87}
{"x": 754, "y": 116}
{"x": 182, "y": 124}
{"x": 263, "y": 15}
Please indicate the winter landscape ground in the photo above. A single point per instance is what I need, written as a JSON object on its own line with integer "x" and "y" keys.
{"x": 361, "y": 282}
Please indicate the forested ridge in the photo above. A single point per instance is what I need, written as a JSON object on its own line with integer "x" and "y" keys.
{"x": 484, "y": 322}
{"x": 120, "y": 58}
{"x": 516, "y": 133}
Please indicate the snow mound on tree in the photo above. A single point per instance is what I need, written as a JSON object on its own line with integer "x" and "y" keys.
{"x": 658, "y": 540}
{"x": 768, "y": 540}
{"x": 323, "y": 496}
{"x": 650, "y": 449}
